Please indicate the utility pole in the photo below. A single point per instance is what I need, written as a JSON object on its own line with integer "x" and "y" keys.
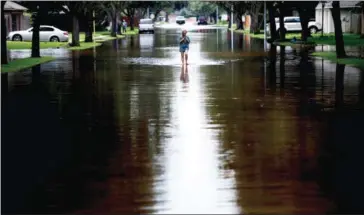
{"x": 232, "y": 29}
{"x": 148, "y": 16}
{"x": 93, "y": 16}
{"x": 265, "y": 26}
{"x": 322, "y": 17}
{"x": 217, "y": 14}
{"x": 231, "y": 17}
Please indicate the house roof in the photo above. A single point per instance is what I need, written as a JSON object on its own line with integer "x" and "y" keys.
{"x": 9, "y": 5}
{"x": 343, "y": 4}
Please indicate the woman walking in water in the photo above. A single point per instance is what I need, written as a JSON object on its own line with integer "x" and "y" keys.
{"x": 184, "y": 43}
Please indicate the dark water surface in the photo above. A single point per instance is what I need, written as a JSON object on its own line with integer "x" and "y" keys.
{"x": 125, "y": 128}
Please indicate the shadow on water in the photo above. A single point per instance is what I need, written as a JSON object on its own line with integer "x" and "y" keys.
{"x": 341, "y": 175}
{"x": 53, "y": 148}
{"x": 339, "y": 171}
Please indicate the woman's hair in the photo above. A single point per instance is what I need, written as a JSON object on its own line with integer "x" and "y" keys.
{"x": 184, "y": 32}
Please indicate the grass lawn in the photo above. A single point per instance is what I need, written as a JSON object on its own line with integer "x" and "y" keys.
{"x": 326, "y": 39}
{"x": 19, "y": 64}
{"x": 128, "y": 32}
{"x": 84, "y": 45}
{"x": 45, "y": 45}
{"x": 28, "y": 45}
{"x": 351, "y": 61}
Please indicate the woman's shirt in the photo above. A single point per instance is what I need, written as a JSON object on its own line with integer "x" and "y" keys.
{"x": 184, "y": 43}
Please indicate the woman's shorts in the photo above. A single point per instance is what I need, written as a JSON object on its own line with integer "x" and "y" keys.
{"x": 183, "y": 49}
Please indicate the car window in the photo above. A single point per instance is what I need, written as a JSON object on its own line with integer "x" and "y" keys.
{"x": 46, "y": 29}
{"x": 146, "y": 21}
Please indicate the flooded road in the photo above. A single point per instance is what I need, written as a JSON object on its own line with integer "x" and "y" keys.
{"x": 124, "y": 128}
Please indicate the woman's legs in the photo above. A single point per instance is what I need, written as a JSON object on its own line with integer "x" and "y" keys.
{"x": 186, "y": 56}
{"x": 182, "y": 57}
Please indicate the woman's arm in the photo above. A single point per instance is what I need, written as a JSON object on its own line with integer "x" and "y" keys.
{"x": 182, "y": 39}
{"x": 188, "y": 39}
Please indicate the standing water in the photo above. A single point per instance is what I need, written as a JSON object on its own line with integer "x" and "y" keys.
{"x": 125, "y": 128}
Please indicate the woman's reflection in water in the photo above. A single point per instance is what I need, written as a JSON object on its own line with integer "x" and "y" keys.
{"x": 184, "y": 74}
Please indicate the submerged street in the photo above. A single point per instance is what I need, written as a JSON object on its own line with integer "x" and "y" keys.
{"x": 124, "y": 128}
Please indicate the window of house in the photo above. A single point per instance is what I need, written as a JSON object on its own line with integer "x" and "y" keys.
{"x": 14, "y": 26}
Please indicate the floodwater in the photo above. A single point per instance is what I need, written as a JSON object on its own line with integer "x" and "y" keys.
{"x": 124, "y": 128}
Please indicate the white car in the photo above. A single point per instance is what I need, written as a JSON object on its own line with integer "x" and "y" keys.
{"x": 146, "y": 25}
{"x": 180, "y": 20}
{"x": 292, "y": 23}
{"x": 46, "y": 33}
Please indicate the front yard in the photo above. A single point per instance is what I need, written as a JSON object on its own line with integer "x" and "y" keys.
{"x": 20, "y": 64}
{"x": 99, "y": 37}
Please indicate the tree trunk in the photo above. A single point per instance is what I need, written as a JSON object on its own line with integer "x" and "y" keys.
{"x": 239, "y": 22}
{"x": 35, "y": 36}
{"x": 254, "y": 26}
{"x": 272, "y": 21}
{"x": 362, "y": 21}
{"x": 335, "y": 11}
{"x": 4, "y": 33}
{"x": 75, "y": 31}
{"x": 282, "y": 30}
{"x": 132, "y": 22}
{"x": 114, "y": 26}
{"x": 156, "y": 15}
{"x": 167, "y": 17}
{"x": 304, "y": 25}
{"x": 90, "y": 28}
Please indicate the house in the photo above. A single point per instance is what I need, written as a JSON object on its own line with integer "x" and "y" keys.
{"x": 14, "y": 17}
{"x": 350, "y": 17}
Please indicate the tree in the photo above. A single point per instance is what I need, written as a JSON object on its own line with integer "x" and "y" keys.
{"x": 201, "y": 8}
{"x": 130, "y": 9}
{"x": 40, "y": 10}
{"x": 361, "y": 4}
{"x": 254, "y": 7}
{"x": 304, "y": 9}
{"x": 335, "y": 11}
{"x": 282, "y": 30}
{"x": 226, "y": 5}
{"x": 4, "y": 49}
{"x": 271, "y": 6}
{"x": 239, "y": 9}
{"x": 158, "y": 6}
{"x": 77, "y": 9}
{"x": 113, "y": 10}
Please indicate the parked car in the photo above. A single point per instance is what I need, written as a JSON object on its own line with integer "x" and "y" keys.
{"x": 146, "y": 25}
{"x": 293, "y": 24}
{"x": 180, "y": 20}
{"x": 46, "y": 33}
{"x": 202, "y": 20}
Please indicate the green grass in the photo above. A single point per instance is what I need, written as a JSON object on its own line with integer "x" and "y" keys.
{"x": 28, "y": 45}
{"x": 20, "y": 64}
{"x": 84, "y": 45}
{"x": 326, "y": 39}
{"x": 128, "y": 32}
{"x": 11, "y": 45}
{"x": 351, "y": 61}
{"x": 44, "y": 45}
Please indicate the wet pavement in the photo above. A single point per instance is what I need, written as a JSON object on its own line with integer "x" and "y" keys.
{"x": 124, "y": 128}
